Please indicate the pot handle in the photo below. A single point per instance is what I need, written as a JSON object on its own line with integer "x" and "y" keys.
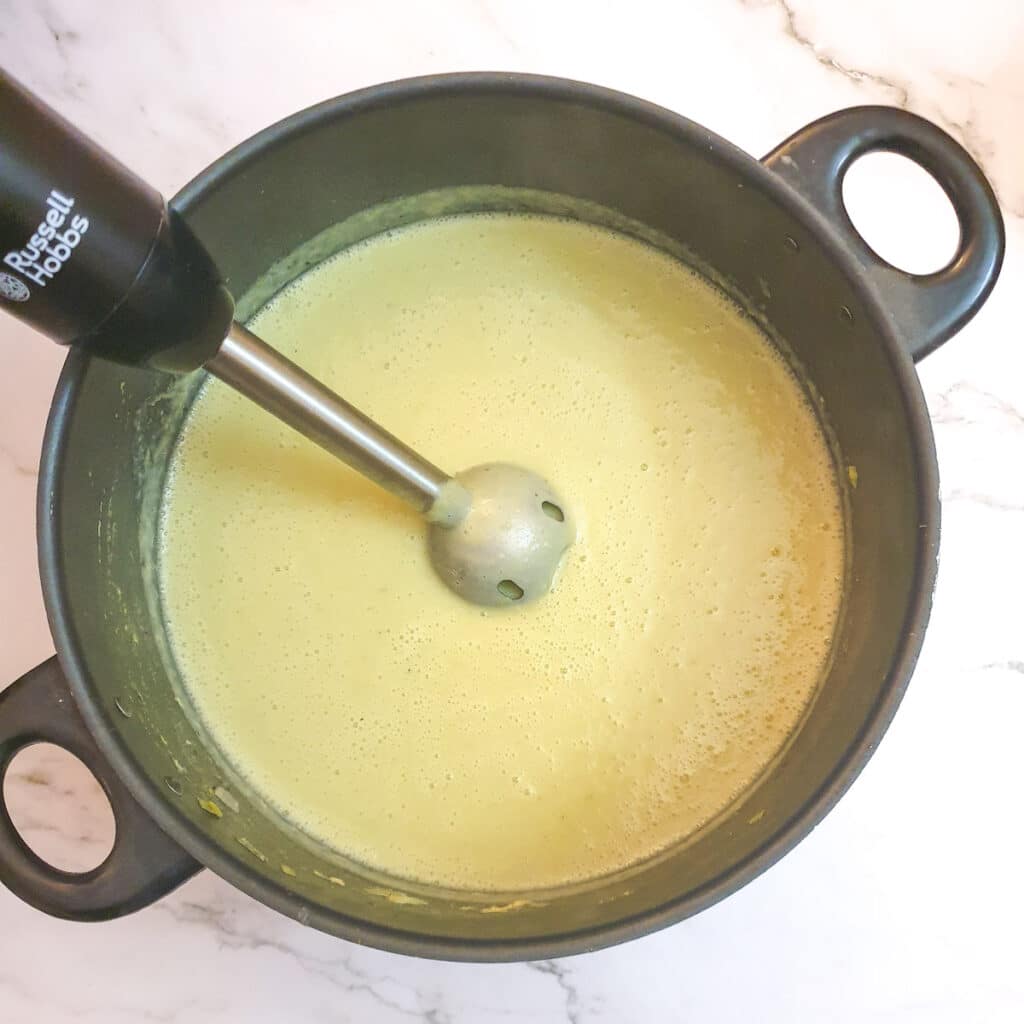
{"x": 144, "y": 863}
{"x": 927, "y": 308}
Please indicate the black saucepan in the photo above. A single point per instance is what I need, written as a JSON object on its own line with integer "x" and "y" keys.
{"x": 774, "y": 232}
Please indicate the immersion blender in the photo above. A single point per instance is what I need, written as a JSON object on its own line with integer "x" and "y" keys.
{"x": 92, "y": 256}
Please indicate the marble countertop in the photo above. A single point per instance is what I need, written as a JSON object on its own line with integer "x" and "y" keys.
{"x": 905, "y": 904}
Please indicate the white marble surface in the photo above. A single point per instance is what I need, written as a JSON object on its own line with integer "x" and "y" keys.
{"x": 906, "y": 904}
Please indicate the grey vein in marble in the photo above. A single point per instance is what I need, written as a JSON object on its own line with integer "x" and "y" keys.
{"x": 967, "y": 403}
{"x": 858, "y": 75}
{"x": 564, "y": 981}
{"x": 981, "y": 498}
{"x": 1007, "y": 666}
{"x": 218, "y": 919}
{"x": 901, "y": 93}
{"x": 19, "y": 468}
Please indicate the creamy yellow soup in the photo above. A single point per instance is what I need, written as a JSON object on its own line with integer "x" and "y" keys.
{"x": 530, "y": 746}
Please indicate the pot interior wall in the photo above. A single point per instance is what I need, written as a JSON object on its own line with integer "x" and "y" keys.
{"x": 327, "y": 167}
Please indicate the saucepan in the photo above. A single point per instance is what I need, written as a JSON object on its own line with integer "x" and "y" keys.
{"x": 772, "y": 232}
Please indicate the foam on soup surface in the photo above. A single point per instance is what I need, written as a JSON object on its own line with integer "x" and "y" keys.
{"x": 524, "y": 747}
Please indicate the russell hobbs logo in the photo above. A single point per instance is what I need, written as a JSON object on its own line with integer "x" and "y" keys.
{"x": 46, "y": 252}
{"x": 13, "y": 289}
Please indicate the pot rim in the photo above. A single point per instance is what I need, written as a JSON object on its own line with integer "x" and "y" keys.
{"x": 204, "y": 848}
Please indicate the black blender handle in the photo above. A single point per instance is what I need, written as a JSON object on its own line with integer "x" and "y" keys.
{"x": 90, "y": 254}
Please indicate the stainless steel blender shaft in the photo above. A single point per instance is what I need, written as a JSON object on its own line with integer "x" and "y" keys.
{"x": 256, "y": 370}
